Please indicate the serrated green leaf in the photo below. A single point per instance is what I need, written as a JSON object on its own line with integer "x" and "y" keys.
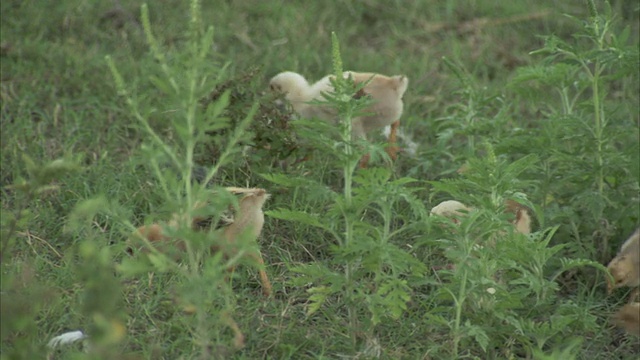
{"x": 86, "y": 210}
{"x": 216, "y": 108}
{"x": 394, "y": 294}
{"x": 30, "y": 166}
{"x": 318, "y": 296}
{"x": 161, "y": 84}
{"x": 478, "y": 334}
{"x": 55, "y": 169}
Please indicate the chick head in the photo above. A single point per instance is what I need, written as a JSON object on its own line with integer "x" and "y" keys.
{"x": 254, "y": 199}
{"x": 621, "y": 269}
{"x": 400, "y": 83}
{"x": 288, "y": 82}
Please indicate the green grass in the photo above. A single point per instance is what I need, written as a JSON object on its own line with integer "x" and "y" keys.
{"x": 476, "y": 96}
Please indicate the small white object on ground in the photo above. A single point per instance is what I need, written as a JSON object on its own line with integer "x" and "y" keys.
{"x": 66, "y": 338}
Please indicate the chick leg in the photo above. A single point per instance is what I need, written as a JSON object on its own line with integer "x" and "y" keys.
{"x": 238, "y": 337}
{"x": 392, "y": 149}
{"x": 264, "y": 279}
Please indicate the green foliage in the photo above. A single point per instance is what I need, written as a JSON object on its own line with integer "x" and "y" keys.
{"x": 567, "y": 352}
{"x": 507, "y": 101}
{"x": 38, "y": 182}
{"x": 200, "y": 282}
{"x": 102, "y": 313}
{"x": 478, "y": 113}
{"x": 499, "y": 275}
{"x": 494, "y": 178}
{"x": 366, "y": 268}
{"x": 23, "y": 298}
{"x": 587, "y": 144}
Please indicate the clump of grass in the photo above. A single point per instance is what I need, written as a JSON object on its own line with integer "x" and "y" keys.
{"x": 358, "y": 268}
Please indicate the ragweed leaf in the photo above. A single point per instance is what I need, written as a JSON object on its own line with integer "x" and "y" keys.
{"x": 318, "y": 296}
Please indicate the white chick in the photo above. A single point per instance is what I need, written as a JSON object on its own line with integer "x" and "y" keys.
{"x": 450, "y": 209}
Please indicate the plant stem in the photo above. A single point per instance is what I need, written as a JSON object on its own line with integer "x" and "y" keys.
{"x": 599, "y": 126}
{"x": 566, "y": 104}
{"x": 348, "y": 178}
{"x": 14, "y": 224}
{"x": 459, "y": 301}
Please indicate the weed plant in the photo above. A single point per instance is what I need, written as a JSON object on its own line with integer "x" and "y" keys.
{"x": 113, "y": 120}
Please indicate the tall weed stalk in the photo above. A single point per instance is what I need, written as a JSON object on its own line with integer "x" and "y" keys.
{"x": 586, "y": 140}
{"x": 366, "y": 271}
{"x": 184, "y": 81}
{"x": 23, "y": 293}
{"x": 498, "y": 279}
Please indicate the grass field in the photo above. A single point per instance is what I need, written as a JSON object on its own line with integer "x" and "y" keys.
{"x": 107, "y": 115}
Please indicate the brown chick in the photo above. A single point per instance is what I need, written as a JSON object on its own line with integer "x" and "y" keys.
{"x": 625, "y": 267}
{"x": 249, "y": 217}
{"x": 451, "y": 208}
{"x": 248, "y": 221}
{"x": 155, "y": 232}
{"x": 386, "y": 92}
{"x": 628, "y": 318}
{"x": 522, "y": 220}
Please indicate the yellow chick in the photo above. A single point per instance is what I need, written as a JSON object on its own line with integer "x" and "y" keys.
{"x": 628, "y": 318}
{"x": 625, "y": 267}
{"x": 386, "y": 91}
{"x": 453, "y": 209}
{"x": 248, "y": 221}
